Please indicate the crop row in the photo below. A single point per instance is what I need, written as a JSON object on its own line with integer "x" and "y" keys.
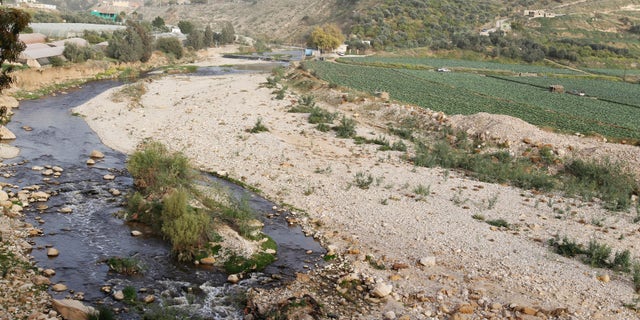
{"x": 461, "y": 93}
{"x": 621, "y": 92}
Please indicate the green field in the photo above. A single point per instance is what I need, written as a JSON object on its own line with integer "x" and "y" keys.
{"x": 470, "y": 93}
{"x": 434, "y": 63}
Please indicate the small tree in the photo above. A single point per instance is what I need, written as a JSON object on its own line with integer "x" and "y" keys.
{"x": 195, "y": 39}
{"x": 228, "y": 34}
{"x": 12, "y": 22}
{"x": 186, "y": 27}
{"x": 131, "y": 44}
{"x": 326, "y": 37}
{"x": 209, "y": 37}
{"x": 75, "y": 53}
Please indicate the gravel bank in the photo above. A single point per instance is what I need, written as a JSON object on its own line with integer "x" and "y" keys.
{"x": 479, "y": 270}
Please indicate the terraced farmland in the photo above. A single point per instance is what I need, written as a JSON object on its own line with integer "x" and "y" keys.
{"x": 469, "y": 93}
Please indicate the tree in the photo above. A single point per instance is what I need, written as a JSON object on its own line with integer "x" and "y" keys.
{"x": 131, "y": 44}
{"x": 209, "y": 37}
{"x": 228, "y": 34}
{"x": 170, "y": 45}
{"x": 12, "y": 22}
{"x": 195, "y": 39}
{"x": 326, "y": 37}
{"x": 158, "y": 24}
{"x": 76, "y": 53}
{"x": 186, "y": 27}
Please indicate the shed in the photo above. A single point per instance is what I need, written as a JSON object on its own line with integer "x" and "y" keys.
{"x": 35, "y": 58}
{"x": 556, "y": 88}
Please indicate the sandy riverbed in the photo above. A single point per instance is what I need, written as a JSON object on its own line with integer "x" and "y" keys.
{"x": 207, "y": 117}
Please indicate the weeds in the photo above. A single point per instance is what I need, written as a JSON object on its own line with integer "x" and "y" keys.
{"x": 258, "y": 127}
{"x": 491, "y": 203}
{"x": 500, "y": 223}
{"x": 318, "y": 115}
{"x": 127, "y": 266}
{"x": 422, "y": 190}
{"x": 478, "y": 217}
{"x": 566, "y": 248}
{"x": 363, "y": 181}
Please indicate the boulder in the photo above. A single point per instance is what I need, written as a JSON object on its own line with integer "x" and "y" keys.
{"x": 233, "y": 278}
{"x": 136, "y": 233}
{"x": 381, "y": 290}
{"x": 8, "y": 152}
{"x": 65, "y": 210}
{"x": 118, "y": 295}
{"x": 428, "y": 261}
{"x": 49, "y": 272}
{"x": 41, "y": 280}
{"x": 59, "y": 287}
{"x": 208, "y": 260}
{"x": 6, "y": 134}
{"x": 73, "y": 309}
{"x": 149, "y": 298}
{"x": 109, "y": 177}
{"x": 40, "y": 196}
{"x": 96, "y": 154}
{"x": 52, "y": 252}
{"x": 3, "y": 196}
{"x": 91, "y": 162}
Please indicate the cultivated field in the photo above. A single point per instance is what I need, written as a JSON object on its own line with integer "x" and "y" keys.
{"x": 608, "y": 108}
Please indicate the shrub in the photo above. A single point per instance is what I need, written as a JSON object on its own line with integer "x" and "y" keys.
{"x": 607, "y": 181}
{"x": 346, "y": 128}
{"x": 622, "y": 261}
{"x": 183, "y": 225}
{"x": 597, "y": 254}
{"x": 155, "y": 169}
{"x": 170, "y": 45}
{"x": 318, "y": 115}
{"x": 104, "y": 313}
{"x": 566, "y": 248}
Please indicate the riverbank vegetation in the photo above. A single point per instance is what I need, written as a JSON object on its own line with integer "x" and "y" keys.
{"x": 439, "y": 145}
{"x": 170, "y": 200}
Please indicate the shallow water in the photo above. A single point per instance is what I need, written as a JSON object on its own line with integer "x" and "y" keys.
{"x": 91, "y": 234}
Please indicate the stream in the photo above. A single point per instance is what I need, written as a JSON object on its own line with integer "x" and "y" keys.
{"x": 49, "y": 135}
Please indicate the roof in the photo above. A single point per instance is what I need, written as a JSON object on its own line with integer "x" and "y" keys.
{"x": 33, "y": 46}
{"x": 29, "y": 38}
{"x": 77, "y": 41}
{"x": 41, "y": 53}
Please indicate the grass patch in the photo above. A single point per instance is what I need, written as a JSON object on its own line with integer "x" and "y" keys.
{"x": 500, "y": 223}
{"x": 588, "y": 180}
{"x": 132, "y": 93}
{"x": 127, "y": 266}
{"x": 167, "y": 199}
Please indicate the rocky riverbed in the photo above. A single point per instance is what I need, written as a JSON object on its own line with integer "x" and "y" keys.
{"x": 409, "y": 243}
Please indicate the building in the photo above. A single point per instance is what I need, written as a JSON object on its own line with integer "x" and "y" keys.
{"x": 539, "y": 14}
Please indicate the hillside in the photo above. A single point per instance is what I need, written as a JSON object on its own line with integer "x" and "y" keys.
{"x": 282, "y": 19}
{"x": 285, "y": 20}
